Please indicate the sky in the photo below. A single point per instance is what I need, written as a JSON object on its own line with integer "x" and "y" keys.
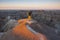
{"x": 30, "y": 4}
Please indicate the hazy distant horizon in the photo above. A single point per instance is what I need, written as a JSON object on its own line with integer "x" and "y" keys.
{"x": 30, "y": 4}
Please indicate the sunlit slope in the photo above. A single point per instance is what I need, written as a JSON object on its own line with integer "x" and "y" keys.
{"x": 21, "y": 32}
